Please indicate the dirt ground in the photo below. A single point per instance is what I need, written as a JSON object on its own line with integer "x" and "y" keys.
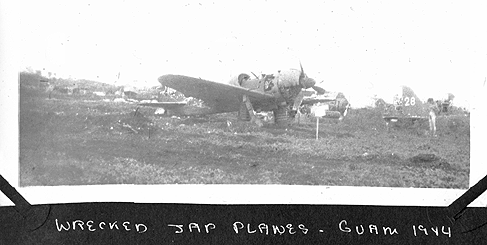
{"x": 84, "y": 139}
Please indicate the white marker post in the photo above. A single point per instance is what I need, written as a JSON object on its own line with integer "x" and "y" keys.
{"x": 317, "y": 126}
{"x": 319, "y": 111}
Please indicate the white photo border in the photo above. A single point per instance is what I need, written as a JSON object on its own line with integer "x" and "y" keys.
{"x": 223, "y": 194}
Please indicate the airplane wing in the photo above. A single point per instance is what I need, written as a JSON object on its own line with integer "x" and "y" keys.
{"x": 322, "y": 98}
{"x": 165, "y": 105}
{"x": 221, "y": 97}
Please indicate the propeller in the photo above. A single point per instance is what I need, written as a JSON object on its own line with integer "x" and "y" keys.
{"x": 304, "y": 80}
{"x": 307, "y": 82}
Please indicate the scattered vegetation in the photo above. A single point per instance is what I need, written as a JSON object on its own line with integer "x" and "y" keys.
{"x": 83, "y": 138}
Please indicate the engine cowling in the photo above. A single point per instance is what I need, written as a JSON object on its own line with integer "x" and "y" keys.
{"x": 285, "y": 87}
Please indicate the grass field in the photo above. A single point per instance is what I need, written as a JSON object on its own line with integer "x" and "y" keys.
{"x": 83, "y": 139}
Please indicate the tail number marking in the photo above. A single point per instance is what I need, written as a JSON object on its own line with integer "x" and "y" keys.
{"x": 408, "y": 101}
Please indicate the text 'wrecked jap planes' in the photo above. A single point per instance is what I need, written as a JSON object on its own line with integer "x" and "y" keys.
{"x": 280, "y": 93}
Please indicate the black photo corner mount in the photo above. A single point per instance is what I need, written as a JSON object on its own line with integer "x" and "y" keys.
{"x": 459, "y": 215}
{"x": 33, "y": 217}
{"x": 466, "y": 220}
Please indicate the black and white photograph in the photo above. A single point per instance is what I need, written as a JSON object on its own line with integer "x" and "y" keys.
{"x": 245, "y": 122}
{"x": 209, "y": 93}
{"x": 249, "y": 93}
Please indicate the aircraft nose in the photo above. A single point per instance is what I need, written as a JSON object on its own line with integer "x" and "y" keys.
{"x": 308, "y": 82}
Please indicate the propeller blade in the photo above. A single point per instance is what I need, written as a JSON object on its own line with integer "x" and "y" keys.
{"x": 319, "y": 90}
{"x": 302, "y": 75}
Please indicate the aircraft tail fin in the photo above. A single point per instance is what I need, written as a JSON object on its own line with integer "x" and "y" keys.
{"x": 410, "y": 104}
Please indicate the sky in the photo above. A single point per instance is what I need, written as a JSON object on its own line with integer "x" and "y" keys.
{"x": 361, "y": 48}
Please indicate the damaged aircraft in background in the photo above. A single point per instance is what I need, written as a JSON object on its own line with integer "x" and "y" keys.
{"x": 408, "y": 108}
{"x": 282, "y": 93}
{"x": 334, "y": 103}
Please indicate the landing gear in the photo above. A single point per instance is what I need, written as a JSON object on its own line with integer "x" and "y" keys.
{"x": 243, "y": 113}
{"x": 281, "y": 115}
{"x": 246, "y": 112}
